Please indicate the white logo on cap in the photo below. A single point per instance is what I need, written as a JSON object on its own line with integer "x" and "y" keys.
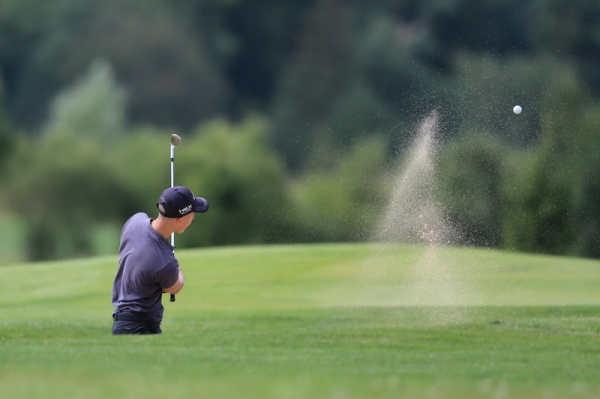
{"x": 185, "y": 210}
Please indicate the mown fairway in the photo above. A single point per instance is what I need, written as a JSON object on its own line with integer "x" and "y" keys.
{"x": 320, "y": 321}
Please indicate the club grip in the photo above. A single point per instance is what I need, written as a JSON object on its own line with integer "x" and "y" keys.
{"x": 172, "y": 297}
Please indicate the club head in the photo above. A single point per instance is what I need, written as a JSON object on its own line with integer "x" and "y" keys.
{"x": 175, "y": 140}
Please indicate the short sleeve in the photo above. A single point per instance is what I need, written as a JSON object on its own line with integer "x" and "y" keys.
{"x": 168, "y": 275}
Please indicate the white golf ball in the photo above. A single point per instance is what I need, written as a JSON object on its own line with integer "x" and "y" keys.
{"x": 517, "y": 109}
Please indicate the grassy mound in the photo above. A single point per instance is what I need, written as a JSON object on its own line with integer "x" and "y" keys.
{"x": 308, "y": 321}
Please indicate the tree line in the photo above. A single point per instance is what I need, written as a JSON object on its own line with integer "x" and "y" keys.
{"x": 294, "y": 113}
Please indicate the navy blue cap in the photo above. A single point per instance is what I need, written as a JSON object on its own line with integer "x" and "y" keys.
{"x": 179, "y": 201}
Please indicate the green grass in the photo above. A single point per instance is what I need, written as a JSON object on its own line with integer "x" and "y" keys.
{"x": 320, "y": 321}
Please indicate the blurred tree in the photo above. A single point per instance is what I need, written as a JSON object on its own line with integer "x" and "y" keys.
{"x": 569, "y": 30}
{"x": 587, "y": 214}
{"x": 258, "y": 36}
{"x": 314, "y": 78}
{"x": 95, "y": 107}
{"x": 471, "y": 171}
{"x": 143, "y": 158}
{"x": 382, "y": 93}
{"x": 541, "y": 203}
{"x": 5, "y": 138}
{"x": 588, "y": 217}
{"x": 484, "y": 90}
{"x": 234, "y": 167}
{"x": 539, "y": 206}
{"x": 173, "y": 80}
{"x": 63, "y": 183}
{"x": 484, "y": 26}
{"x": 62, "y": 187}
{"x": 342, "y": 203}
{"x": 23, "y": 24}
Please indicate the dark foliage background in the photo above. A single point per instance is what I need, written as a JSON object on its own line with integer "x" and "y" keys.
{"x": 294, "y": 113}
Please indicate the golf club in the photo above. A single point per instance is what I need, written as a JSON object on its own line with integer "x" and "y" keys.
{"x": 175, "y": 140}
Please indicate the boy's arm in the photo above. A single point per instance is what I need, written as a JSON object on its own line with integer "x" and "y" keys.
{"x": 175, "y": 288}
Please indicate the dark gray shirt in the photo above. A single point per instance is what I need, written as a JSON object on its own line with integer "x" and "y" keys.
{"x": 146, "y": 266}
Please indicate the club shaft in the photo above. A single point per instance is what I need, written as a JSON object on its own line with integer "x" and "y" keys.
{"x": 172, "y": 185}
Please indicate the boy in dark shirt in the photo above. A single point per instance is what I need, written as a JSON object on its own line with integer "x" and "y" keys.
{"x": 147, "y": 264}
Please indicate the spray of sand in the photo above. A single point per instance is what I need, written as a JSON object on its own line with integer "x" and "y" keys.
{"x": 412, "y": 215}
{"x": 409, "y": 267}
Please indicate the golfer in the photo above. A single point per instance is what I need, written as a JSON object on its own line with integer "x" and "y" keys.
{"x": 147, "y": 264}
